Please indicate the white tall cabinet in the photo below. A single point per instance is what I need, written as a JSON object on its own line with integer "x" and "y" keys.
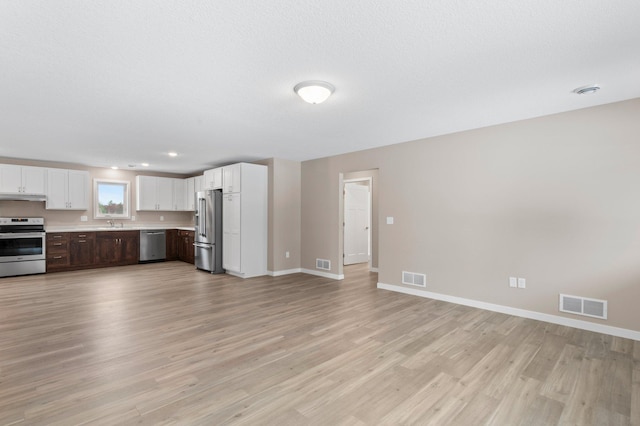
{"x": 244, "y": 219}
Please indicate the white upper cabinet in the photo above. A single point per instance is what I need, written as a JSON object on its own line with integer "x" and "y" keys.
{"x": 231, "y": 178}
{"x": 22, "y": 179}
{"x": 67, "y": 189}
{"x": 198, "y": 183}
{"x": 146, "y": 198}
{"x": 180, "y": 193}
{"x": 194, "y": 184}
{"x": 166, "y": 194}
{"x": 189, "y": 199}
{"x": 160, "y": 193}
{"x": 213, "y": 178}
{"x": 78, "y": 195}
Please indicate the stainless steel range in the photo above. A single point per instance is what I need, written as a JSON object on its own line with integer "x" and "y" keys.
{"x": 22, "y": 246}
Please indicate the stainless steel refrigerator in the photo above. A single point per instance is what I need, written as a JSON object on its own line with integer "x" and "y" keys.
{"x": 208, "y": 238}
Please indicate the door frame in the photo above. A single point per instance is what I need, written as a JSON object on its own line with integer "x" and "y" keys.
{"x": 369, "y": 181}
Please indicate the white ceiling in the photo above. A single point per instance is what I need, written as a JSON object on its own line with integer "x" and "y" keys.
{"x": 121, "y": 82}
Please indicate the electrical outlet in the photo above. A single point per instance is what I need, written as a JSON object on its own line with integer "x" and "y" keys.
{"x": 513, "y": 282}
{"x": 389, "y": 220}
{"x": 161, "y": 218}
{"x": 83, "y": 218}
{"x": 286, "y": 254}
{"x": 133, "y": 218}
{"x": 522, "y": 283}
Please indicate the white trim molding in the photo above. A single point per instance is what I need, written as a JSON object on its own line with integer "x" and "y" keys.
{"x": 373, "y": 270}
{"x": 284, "y": 272}
{"x": 323, "y": 274}
{"x": 554, "y": 319}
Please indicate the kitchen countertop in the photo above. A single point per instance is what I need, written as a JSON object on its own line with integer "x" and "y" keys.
{"x": 140, "y": 227}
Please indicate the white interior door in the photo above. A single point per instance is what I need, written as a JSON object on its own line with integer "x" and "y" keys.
{"x": 356, "y": 223}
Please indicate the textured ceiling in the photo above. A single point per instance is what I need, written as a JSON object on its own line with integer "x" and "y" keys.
{"x": 118, "y": 82}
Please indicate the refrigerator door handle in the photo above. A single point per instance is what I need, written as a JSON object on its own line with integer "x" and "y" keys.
{"x": 202, "y": 225}
{"x": 208, "y": 247}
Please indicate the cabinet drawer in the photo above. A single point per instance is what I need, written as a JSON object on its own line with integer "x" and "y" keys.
{"x": 76, "y": 236}
{"x": 57, "y": 246}
{"x": 183, "y": 233}
{"x": 57, "y": 260}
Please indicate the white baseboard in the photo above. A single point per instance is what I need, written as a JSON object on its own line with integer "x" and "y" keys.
{"x": 284, "y": 272}
{"x": 247, "y": 275}
{"x": 323, "y": 274}
{"x": 554, "y": 319}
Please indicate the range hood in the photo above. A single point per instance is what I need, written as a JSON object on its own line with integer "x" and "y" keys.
{"x": 22, "y": 197}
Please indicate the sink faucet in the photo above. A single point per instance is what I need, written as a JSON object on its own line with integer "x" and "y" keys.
{"x": 111, "y": 223}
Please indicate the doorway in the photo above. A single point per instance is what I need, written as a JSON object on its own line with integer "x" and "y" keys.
{"x": 357, "y": 221}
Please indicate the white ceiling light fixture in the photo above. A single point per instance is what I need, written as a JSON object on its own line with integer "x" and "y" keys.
{"x": 587, "y": 90}
{"x": 314, "y": 91}
{"x": 173, "y": 154}
{"x": 145, "y": 164}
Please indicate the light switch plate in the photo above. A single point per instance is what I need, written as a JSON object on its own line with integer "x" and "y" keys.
{"x": 513, "y": 282}
{"x": 522, "y": 283}
{"x": 83, "y": 219}
{"x": 389, "y": 220}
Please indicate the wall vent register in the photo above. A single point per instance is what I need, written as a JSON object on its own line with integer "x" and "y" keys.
{"x": 412, "y": 278}
{"x": 594, "y": 308}
{"x": 323, "y": 264}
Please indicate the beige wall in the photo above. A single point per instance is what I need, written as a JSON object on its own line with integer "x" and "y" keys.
{"x": 284, "y": 214}
{"x": 72, "y": 218}
{"x": 553, "y": 199}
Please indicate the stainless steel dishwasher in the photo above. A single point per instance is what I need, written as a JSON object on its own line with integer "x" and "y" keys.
{"x": 153, "y": 245}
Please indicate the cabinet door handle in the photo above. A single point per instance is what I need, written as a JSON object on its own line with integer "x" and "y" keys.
{"x": 82, "y": 241}
{"x": 82, "y": 236}
{"x": 57, "y": 244}
{"x": 57, "y": 257}
{"x": 57, "y": 236}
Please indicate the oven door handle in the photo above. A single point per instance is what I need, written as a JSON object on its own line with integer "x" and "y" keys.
{"x": 14, "y": 235}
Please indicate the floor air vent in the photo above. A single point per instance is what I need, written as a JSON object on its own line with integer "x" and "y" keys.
{"x": 323, "y": 264}
{"x": 583, "y": 306}
{"x": 412, "y": 278}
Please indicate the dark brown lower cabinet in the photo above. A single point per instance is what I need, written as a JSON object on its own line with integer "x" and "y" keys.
{"x": 172, "y": 244}
{"x": 117, "y": 248}
{"x": 186, "y": 252}
{"x": 82, "y": 249}
{"x": 57, "y": 251}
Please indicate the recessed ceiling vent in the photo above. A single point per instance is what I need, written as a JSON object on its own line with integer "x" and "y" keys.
{"x": 583, "y": 306}
{"x": 587, "y": 90}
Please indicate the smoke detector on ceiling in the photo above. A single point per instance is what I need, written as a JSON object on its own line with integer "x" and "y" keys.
{"x": 587, "y": 90}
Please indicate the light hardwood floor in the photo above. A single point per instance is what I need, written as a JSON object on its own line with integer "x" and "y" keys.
{"x": 166, "y": 344}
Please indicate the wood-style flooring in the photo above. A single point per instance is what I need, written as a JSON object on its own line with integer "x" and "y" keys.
{"x": 166, "y": 344}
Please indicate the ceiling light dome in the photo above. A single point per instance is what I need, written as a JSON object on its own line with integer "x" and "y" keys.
{"x": 587, "y": 90}
{"x": 314, "y": 91}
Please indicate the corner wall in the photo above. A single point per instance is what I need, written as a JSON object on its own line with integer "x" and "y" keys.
{"x": 553, "y": 199}
{"x": 284, "y": 215}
